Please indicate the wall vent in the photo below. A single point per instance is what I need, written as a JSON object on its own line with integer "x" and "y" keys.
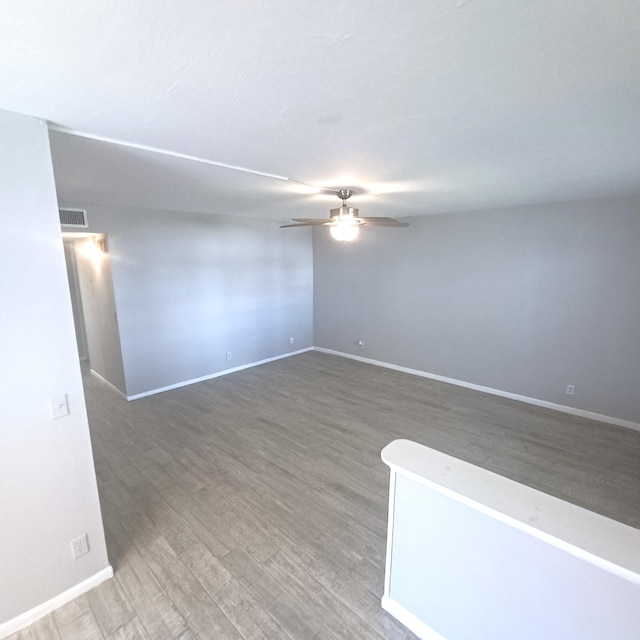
{"x": 73, "y": 217}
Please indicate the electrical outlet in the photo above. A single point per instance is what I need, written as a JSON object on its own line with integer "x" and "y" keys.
{"x": 291, "y": 340}
{"x": 570, "y": 389}
{"x": 360, "y": 344}
{"x": 228, "y": 355}
{"x": 80, "y": 546}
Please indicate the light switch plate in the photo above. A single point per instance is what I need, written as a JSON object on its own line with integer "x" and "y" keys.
{"x": 59, "y": 406}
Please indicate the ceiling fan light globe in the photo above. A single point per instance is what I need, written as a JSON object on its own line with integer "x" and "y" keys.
{"x": 344, "y": 231}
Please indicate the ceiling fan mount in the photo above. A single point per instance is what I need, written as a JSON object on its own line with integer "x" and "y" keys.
{"x": 345, "y": 213}
{"x": 344, "y": 221}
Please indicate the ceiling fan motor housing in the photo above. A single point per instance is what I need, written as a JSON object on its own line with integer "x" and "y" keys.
{"x": 344, "y": 212}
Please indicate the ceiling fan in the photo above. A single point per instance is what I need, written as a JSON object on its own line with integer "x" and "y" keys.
{"x": 344, "y": 222}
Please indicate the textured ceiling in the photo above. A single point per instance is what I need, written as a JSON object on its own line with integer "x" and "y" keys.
{"x": 423, "y": 106}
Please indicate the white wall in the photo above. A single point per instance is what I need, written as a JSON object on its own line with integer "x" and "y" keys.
{"x": 48, "y": 493}
{"x": 76, "y": 299}
{"x": 523, "y": 300}
{"x": 99, "y": 310}
{"x": 191, "y": 287}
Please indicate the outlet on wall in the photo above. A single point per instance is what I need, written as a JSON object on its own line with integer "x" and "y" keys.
{"x": 570, "y": 389}
{"x": 228, "y": 355}
{"x": 291, "y": 340}
{"x": 80, "y": 546}
{"x": 360, "y": 343}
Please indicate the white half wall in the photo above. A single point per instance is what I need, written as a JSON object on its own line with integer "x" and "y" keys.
{"x": 472, "y": 554}
{"x": 48, "y": 493}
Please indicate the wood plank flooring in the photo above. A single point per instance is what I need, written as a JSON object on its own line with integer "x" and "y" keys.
{"x": 254, "y": 505}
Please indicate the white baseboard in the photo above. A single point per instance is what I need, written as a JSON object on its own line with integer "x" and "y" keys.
{"x": 409, "y": 620}
{"x": 217, "y": 374}
{"x": 496, "y": 392}
{"x": 416, "y": 372}
{"x": 105, "y": 381}
{"x": 29, "y": 617}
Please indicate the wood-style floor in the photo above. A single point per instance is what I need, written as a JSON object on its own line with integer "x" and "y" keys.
{"x": 254, "y": 505}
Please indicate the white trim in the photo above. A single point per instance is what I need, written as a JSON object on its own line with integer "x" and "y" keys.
{"x": 496, "y": 392}
{"x": 217, "y": 374}
{"x": 29, "y": 617}
{"x": 105, "y": 381}
{"x": 410, "y": 621}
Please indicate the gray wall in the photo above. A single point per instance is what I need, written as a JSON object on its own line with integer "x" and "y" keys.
{"x": 524, "y": 300}
{"x": 99, "y": 311}
{"x": 48, "y": 493}
{"x": 191, "y": 287}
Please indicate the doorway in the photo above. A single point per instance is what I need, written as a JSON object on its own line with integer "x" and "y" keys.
{"x": 94, "y": 307}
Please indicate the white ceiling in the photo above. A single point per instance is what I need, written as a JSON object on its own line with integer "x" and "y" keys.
{"x": 424, "y": 106}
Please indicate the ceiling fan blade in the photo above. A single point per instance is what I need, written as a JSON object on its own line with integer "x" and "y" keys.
{"x": 312, "y": 220}
{"x": 383, "y": 222}
{"x": 387, "y": 224}
{"x": 377, "y": 219}
{"x": 298, "y": 224}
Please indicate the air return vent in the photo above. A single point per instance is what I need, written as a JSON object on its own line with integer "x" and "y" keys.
{"x": 73, "y": 217}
